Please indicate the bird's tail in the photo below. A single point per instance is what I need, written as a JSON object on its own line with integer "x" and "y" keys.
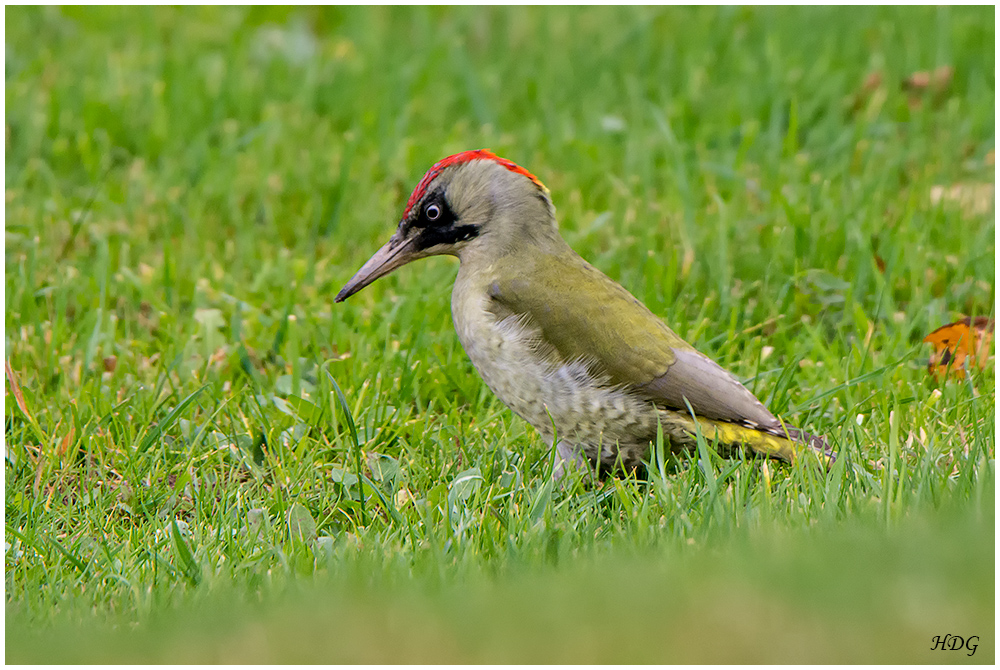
{"x": 816, "y": 443}
{"x": 782, "y": 442}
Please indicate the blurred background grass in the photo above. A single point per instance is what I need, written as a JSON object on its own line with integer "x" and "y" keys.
{"x": 186, "y": 188}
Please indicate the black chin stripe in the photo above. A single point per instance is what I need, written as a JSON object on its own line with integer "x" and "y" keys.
{"x": 431, "y": 237}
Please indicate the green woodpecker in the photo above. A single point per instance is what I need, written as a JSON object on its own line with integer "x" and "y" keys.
{"x": 555, "y": 339}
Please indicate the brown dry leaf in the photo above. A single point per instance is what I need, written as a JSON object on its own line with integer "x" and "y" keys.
{"x": 938, "y": 81}
{"x": 39, "y": 473}
{"x": 15, "y": 388}
{"x": 954, "y": 342}
{"x": 66, "y": 441}
{"x": 972, "y": 199}
{"x": 879, "y": 261}
{"x": 917, "y": 81}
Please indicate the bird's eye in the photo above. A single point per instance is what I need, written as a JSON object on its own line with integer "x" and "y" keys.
{"x": 433, "y": 212}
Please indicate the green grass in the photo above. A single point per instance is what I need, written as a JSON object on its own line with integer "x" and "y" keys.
{"x": 186, "y": 189}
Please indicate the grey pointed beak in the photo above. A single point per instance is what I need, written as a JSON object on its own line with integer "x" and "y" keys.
{"x": 393, "y": 254}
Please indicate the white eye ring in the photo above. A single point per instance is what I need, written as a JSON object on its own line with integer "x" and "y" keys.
{"x": 433, "y": 212}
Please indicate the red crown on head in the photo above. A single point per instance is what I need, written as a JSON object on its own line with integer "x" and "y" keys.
{"x": 458, "y": 159}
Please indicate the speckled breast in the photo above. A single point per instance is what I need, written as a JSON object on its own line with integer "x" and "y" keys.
{"x": 595, "y": 417}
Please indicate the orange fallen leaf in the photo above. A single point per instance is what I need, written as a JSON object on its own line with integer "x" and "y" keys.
{"x": 954, "y": 342}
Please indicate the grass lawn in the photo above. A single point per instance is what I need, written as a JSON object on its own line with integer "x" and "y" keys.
{"x": 208, "y": 461}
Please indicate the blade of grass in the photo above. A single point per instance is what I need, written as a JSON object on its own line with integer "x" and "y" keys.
{"x": 355, "y": 444}
{"x": 169, "y": 420}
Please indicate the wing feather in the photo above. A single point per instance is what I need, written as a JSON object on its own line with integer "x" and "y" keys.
{"x": 713, "y": 392}
{"x": 582, "y": 315}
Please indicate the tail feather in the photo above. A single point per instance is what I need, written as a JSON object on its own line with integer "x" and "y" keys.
{"x": 783, "y": 442}
{"x": 815, "y": 443}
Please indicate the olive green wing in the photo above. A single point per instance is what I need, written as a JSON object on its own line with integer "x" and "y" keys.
{"x": 586, "y": 316}
{"x": 583, "y": 315}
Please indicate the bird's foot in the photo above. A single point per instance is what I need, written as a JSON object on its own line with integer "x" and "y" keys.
{"x": 567, "y": 457}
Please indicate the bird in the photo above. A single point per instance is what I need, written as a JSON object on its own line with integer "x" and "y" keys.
{"x": 564, "y": 346}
